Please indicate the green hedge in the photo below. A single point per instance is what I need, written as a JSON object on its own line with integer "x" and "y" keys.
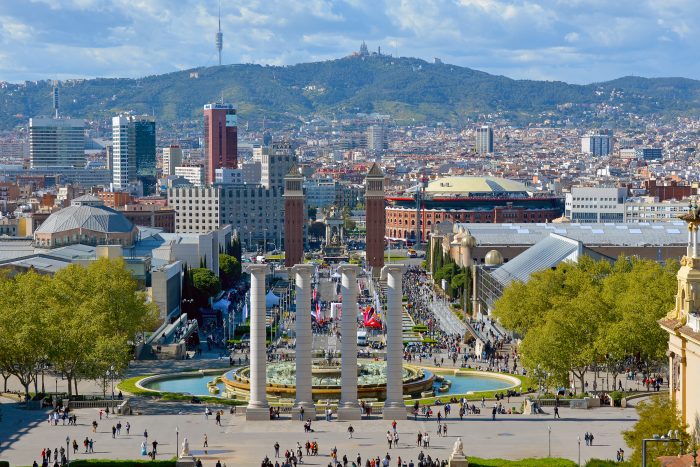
{"x": 606, "y": 463}
{"x": 121, "y": 463}
{"x": 544, "y": 462}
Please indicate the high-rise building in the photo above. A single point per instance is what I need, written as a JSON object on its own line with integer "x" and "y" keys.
{"x": 123, "y": 152}
{"x": 599, "y": 144}
{"x": 484, "y": 140}
{"x": 220, "y": 139}
{"x": 293, "y": 217}
{"x": 375, "y": 218}
{"x": 56, "y": 142}
{"x": 277, "y": 160}
{"x": 376, "y": 138}
{"x": 172, "y": 157}
{"x": 145, "y": 144}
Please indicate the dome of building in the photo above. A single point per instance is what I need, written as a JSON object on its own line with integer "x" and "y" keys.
{"x": 493, "y": 258}
{"x": 86, "y": 221}
{"x": 474, "y": 185}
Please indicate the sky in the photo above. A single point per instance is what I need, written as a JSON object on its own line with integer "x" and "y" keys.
{"x": 577, "y": 41}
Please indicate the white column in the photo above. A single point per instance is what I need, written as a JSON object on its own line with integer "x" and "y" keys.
{"x": 689, "y": 251}
{"x": 258, "y": 408}
{"x": 348, "y": 408}
{"x": 304, "y": 398}
{"x": 394, "y": 408}
{"x": 695, "y": 240}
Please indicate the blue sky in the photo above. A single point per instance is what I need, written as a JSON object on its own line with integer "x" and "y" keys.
{"x": 577, "y": 41}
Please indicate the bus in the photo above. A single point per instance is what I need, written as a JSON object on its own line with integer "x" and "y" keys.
{"x": 362, "y": 338}
{"x": 412, "y": 253}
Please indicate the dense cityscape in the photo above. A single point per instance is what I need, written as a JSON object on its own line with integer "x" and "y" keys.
{"x": 268, "y": 273}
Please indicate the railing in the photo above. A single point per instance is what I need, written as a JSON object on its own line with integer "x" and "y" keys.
{"x": 95, "y": 404}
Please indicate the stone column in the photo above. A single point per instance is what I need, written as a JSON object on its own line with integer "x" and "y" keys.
{"x": 304, "y": 340}
{"x": 258, "y": 409}
{"x": 394, "y": 408}
{"x": 348, "y": 408}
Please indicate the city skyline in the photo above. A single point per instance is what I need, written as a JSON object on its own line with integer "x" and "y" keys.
{"x": 577, "y": 41}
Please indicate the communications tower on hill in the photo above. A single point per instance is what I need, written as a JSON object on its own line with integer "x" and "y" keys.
{"x": 219, "y": 36}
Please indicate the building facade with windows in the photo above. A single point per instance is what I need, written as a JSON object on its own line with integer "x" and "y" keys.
{"x": 56, "y": 143}
{"x": 595, "y": 204}
{"x": 465, "y": 199}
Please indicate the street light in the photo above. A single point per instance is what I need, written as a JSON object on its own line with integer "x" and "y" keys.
{"x": 671, "y": 437}
{"x": 549, "y": 440}
{"x": 67, "y": 449}
{"x": 579, "y": 451}
{"x": 177, "y": 441}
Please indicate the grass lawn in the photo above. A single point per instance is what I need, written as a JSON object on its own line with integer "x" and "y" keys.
{"x": 544, "y": 462}
{"x": 129, "y": 386}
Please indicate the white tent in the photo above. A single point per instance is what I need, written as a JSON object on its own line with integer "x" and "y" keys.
{"x": 271, "y": 300}
{"x": 222, "y": 305}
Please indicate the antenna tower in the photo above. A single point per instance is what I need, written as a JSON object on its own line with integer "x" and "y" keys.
{"x": 219, "y": 36}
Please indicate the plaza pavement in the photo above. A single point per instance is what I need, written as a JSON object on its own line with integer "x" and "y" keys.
{"x": 23, "y": 433}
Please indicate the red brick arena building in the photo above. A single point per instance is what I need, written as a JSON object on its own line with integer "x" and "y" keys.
{"x": 410, "y": 216}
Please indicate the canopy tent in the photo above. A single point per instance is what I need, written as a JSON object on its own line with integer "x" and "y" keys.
{"x": 271, "y": 300}
{"x": 222, "y": 305}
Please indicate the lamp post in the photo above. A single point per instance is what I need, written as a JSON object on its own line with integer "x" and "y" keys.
{"x": 177, "y": 441}
{"x": 659, "y": 439}
{"x": 549, "y": 440}
{"x": 579, "y": 451}
{"x": 111, "y": 377}
{"x": 67, "y": 449}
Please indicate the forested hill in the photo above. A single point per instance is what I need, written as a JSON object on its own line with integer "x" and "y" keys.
{"x": 407, "y": 89}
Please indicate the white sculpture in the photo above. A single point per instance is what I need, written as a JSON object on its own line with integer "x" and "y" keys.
{"x": 458, "y": 449}
{"x": 185, "y": 448}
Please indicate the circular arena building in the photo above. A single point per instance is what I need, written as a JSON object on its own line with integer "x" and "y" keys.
{"x": 87, "y": 221}
{"x": 411, "y": 215}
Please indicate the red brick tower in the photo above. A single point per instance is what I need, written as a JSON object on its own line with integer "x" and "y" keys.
{"x": 293, "y": 217}
{"x": 375, "y": 218}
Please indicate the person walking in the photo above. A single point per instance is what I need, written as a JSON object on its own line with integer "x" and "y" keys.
{"x": 493, "y": 412}
{"x": 277, "y": 449}
{"x": 351, "y": 430}
{"x": 556, "y": 412}
{"x": 389, "y": 439}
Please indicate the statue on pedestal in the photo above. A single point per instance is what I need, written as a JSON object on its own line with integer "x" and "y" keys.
{"x": 457, "y": 458}
{"x": 185, "y": 448}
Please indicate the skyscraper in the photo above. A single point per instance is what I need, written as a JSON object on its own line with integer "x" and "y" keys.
{"x": 56, "y": 142}
{"x": 220, "y": 139}
{"x": 145, "y": 144}
{"x": 600, "y": 144}
{"x": 484, "y": 140}
{"x": 376, "y": 138}
{"x": 172, "y": 157}
{"x": 123, "y": 152}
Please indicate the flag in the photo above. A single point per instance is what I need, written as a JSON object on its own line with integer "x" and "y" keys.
{"x": 245, "y": 311}
{"x": 314, "y": 299}
{"x": 318, "y": 312}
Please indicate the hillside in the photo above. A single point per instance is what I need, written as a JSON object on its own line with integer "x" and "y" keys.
{"x": 408, "y": 89}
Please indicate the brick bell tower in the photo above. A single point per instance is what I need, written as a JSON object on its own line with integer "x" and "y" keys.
{"x": 293, "y": 217}
{"x": 375, "y": 218}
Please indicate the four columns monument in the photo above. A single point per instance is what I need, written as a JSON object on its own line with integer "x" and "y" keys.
{"x": 348, "y": 406}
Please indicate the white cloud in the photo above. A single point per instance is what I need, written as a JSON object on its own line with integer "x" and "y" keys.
{"x": 576, "y": 40}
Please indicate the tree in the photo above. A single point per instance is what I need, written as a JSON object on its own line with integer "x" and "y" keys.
{"x": 317, "y": 230}
{"x": 229, "y": 270}
{"x": 311, "y": 213}
{"x": 589, "y": 312}
{"x": 24, "y": 336}
{"x": 657, "y": 416}
{"x": 99, "y": 310}
{"x": 206, "y": 284}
